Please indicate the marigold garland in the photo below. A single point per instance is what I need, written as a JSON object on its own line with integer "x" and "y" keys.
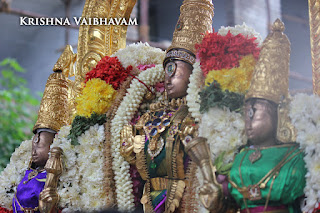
{"x": 236, "y": 79}
{"x": 96, "y": 96}
{"x": 218, "y": 52}
{"x": 110, "y": 70}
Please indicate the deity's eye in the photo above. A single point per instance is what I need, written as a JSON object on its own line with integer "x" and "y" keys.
{"x": 251, "y": 112}
{"x": 171, "y": 68}
{"x": 36, "y": 138}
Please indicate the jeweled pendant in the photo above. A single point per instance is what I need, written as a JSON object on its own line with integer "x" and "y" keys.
{"x": 153, "y": 165}
{"x": 256, "y": 155}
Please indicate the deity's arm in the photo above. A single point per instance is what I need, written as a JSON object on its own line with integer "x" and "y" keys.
{"x": 211, "y": 193}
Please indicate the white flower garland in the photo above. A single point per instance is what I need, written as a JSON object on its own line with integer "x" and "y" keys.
{"x": 124, "y": 114}
{"x": 224, "y": 131}
{"x": 194, "y": 87}
{"x": 11, "y": 176}
{"x": 139, "y": 53}
{"x": 80, "y": 183}
{"x": 69, "y": 182}
{"x": 305, "y": 116}
{"x": 244, "y": 30}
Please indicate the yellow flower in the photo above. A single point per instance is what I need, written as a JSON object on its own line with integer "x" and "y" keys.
{"x": 236, "y": 79}
{"x": 97, "y": 96}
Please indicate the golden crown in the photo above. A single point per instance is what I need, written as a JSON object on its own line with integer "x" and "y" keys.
{"x": 194, "y": 21}
{"x": 53, "y": 112}
{"x": 270, "y": 78}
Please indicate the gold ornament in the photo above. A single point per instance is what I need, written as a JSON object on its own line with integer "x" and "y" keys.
{"x": 49, "y": 197}
{"x": 194, "y": 21}
{"x": 53, "y": 112}
{"x": 270, "y": 79}
{"x": 272, "y": 67}
{"x": 66, "y": 61}
{"x": 97, "y": 41}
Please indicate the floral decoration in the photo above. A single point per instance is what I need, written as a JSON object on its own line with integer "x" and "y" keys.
{"x": 11, "y": 176}
{"x": 4, "y": 210}
{"x": 236, "y": 79}
{"x": 218, "y": 52}
{"x": 226, "y": 66}
{"x": 80, "y": 185}
{"x": 96, "y": 96}
{"x": 243, "y": 30}
{"x": 194, "y": 87}
{"x": 305, "y": 116}
{"x": 124, "y": 115}
{"x": 110, "y": 70}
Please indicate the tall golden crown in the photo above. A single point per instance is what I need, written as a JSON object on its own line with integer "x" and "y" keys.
{"x": 270, "y": 78}
{"x": 194, "y": 21}
{"x": 54, "y": 112}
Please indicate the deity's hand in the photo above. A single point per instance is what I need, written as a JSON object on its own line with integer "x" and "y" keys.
{"x": 48, "y": 200}
{"x": 210, "y": 195}
{"x": 127, "y": 141}
{"x": 189, "y": 131}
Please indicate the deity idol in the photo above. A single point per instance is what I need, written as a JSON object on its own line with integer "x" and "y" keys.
{"x": 52, "y": 115}
{"x": 268, "y": 174}
{"x": 156, "y": 143}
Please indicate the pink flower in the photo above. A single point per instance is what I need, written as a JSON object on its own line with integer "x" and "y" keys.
{"x": 143, "y": 67}
{"x": 159, "y": 87}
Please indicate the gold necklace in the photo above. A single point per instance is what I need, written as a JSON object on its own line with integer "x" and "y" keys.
{"x": 156, "y": 151}
{"x": 33, "y": 174}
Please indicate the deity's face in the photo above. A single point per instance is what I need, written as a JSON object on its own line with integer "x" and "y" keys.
{"x": 177, "y": 78}
{"x": 40, "y": 148}
{"x": 261, "y": 122}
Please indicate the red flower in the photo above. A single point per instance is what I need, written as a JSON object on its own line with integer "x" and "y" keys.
{"x": 4, "y": 210}
{"x": 110, "y": 70}
{"x": 217, "y": 52}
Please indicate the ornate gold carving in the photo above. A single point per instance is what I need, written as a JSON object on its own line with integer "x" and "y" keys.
{"x": 272, "y": 66}
{"x": 314, "y": 19}
{"x": 97, "y": 41}
{"x": 285, "y": 130}
{"x": 188, "y": 203}
{"x": 66, "y": 61}
{"x": 180, "y": 55}
{"x": 53, "y": 112}
{"x": 195, "y": 20}
{"x": 48, "y": 198}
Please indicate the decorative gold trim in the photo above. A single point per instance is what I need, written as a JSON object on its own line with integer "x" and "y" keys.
{"x": 179, "y": 55}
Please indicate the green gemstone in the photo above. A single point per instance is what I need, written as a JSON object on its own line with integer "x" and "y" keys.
{"x": 153, "y": 165}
